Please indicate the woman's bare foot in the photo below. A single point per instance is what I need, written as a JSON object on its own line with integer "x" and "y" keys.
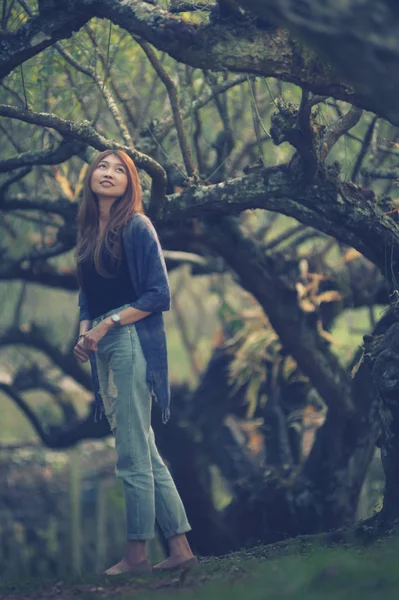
{"x": 134, "y": 561}
{"x": 180, "y": 555}
{"x": 125, "y": 567}
{"x": 177, "y": 562}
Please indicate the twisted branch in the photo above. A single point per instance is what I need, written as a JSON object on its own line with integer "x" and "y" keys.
{"x": 35, "y": 338}
{"x": 84, "y": 132}
{"x": 50, "y": 156}
{"x": 338, "y": 129}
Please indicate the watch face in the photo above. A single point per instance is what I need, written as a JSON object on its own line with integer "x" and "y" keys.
{"x": 116, "y": 318}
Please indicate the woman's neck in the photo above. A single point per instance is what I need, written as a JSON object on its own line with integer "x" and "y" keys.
{"x": 104, "y": 212}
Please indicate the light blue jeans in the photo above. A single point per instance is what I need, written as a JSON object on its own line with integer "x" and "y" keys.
{"x": 150, "y": 491}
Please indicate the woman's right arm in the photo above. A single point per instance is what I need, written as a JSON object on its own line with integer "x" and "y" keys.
{"x": 84, "y": 326}
{"x": 84, "y": 314}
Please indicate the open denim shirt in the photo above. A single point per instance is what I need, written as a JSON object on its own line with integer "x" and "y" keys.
{"x": 150, "y": 281}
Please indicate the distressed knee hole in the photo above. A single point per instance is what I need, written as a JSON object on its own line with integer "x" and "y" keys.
{"x": 112, "y": 389}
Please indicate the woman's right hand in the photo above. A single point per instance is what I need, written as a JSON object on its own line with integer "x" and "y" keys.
{"x": 81, "y": 354}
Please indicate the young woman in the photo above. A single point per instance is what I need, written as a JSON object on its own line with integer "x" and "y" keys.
{"x": 123, "y": 290}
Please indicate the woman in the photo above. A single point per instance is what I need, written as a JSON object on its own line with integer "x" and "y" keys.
{"x": 123, "y": 290}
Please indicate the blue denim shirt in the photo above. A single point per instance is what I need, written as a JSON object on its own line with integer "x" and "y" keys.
{"x": 150, "y": 281}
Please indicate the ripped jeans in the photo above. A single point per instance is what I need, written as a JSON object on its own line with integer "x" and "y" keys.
{"x": 150, "y": 491}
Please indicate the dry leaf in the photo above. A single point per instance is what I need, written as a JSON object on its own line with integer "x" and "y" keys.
{"x": 64, "y": 184}
{"x": 351, "y": 254}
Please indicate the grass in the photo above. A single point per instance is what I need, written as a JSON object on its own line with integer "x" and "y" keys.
{"x": 340, "y": 573}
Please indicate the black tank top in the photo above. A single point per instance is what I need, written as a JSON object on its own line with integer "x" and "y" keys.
{"x": 103, "y": 294}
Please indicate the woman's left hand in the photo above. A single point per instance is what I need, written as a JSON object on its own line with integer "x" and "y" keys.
{"x": 93, "y": 336}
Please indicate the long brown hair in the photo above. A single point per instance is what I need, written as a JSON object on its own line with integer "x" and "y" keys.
{"x": 90, "y": 245}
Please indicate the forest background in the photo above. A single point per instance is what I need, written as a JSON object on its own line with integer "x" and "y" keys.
{"x": 266, "y": 138}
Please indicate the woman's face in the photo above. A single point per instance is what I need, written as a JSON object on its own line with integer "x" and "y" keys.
{"x": 109, "y": 180}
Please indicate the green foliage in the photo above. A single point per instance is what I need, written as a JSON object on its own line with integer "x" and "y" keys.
{"x": 255, "y": 345}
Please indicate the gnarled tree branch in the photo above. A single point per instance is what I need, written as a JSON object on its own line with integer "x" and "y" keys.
{"x": 337, "y": 130}
{"x": 35, "y": 338}
{"x": 299, "y": 337}
{"x": 359, "y": 38}
{"x": 50, "y": 156}
{"x": 84, "y": 132}
{"x": 225, "y": 45}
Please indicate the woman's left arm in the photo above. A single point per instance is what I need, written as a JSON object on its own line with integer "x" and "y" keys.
{"x": 151, "y": 268}
{"x": 127, "y": 316}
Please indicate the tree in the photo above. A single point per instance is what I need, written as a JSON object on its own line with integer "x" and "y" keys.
{"x": 201, "y": 196}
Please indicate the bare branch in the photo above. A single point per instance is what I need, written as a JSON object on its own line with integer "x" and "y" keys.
{"x": 62, "y": 207}
{"x": 263, "y": 52}
{"x": 381, "y": 174}
{"x": 342, "y": 210}
{"x": 364, "y": 149}
{"x": 179, "y": 6}
{"x": 35, "y": 338}
{"x": 200, "y": 264}
{"x": 50, "y": 156}
{"x": 199, "y": 154}
{"x": 12, "y": 92}
{"x": 292, "y": 123}
{"x": 112, "y": 106}
{"x": 259, "y": 275}
{"x": 175, "y": 104}
{"x": 44, "y": 274}
{"x": 185, "y": 257}
{"x": 242, "y": 153}
{"x": 304, "y": 236}
{"x": 18, "y": 306}
{"x": 161, "y": 130}
{"x": 13, "y": 179}
{"x": 338, "y": 129}
{"x": 84, "y": 132}
{"x": 128, "y": 103}
{"x": 270, "y": 53}
{"x": 46, "y": 252}
{"x": 306, "y": 145}
{"x": 65, "y": 435}
{"x": 284, "y": 236}
{"x": 9, "y": 229}
{"x": 10, "y": 138}
{"x": 38, "y": 33}
{"x": 358, "y": 38}
{"x": 26, "y": 409}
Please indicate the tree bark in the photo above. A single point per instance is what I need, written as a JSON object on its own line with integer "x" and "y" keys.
{"x": 359, "y": 39}
{"x": 245, "y": 47}
{"x": 382, "y": 358}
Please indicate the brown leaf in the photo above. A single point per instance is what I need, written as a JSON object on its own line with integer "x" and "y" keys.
{"x": 329, "y": 296}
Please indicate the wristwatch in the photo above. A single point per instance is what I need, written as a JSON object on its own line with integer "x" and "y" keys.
{"x": 116, "y": 319}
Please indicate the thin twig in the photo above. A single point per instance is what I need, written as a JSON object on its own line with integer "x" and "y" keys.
{"x": 13, "y": 179}
{"x": 364, "y": 149}
{"x": 338, "y": 129}
{"x": 18, "y": 307}
{"x": 174, "y": 102}
{"x": 381, "y": 174}
{"x": 285, "y": 235}
{"x": 161, "y": 130}
{"x": 113, "y": 107}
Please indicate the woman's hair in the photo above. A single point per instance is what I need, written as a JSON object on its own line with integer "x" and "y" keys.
{"x": 90, "y": 245}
